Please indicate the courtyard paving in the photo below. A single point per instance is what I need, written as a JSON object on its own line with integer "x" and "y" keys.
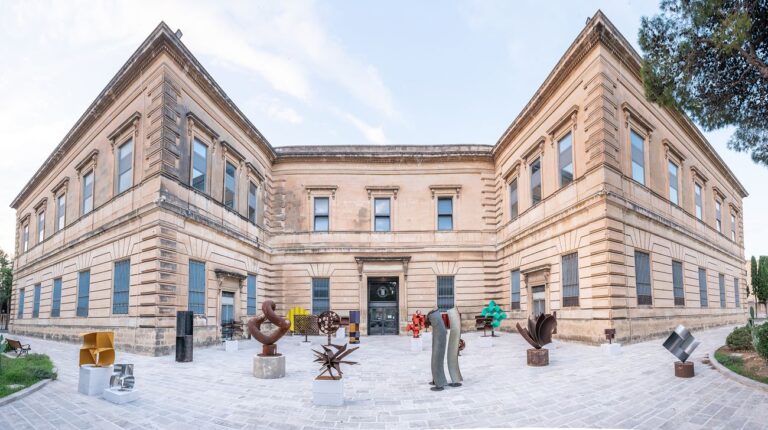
{"x": 388, "y": 389}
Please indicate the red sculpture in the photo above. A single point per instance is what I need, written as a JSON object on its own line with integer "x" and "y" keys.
{"x": 417, "y": 324}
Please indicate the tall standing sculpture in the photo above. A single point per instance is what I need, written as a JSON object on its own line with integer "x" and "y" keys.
{"x": 185, "y": 325}
{"x": 538, "y": 334}
{"x": 442, "y": 346}
{"x": 354, "y": 327}
{"x": 681, "y": 344}
{"x": 454, "y": 346}
{"x": 329, "y": 322}
{"x": 269, "y": 364}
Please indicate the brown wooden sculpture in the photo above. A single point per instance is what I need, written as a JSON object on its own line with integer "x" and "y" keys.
{"x": 538, "y": 334}
{"x": 269, "y": 348}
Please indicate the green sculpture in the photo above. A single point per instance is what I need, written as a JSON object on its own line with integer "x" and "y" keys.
{"x": 494, "y": 311}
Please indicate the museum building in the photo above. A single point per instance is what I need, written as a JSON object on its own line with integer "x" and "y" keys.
{"x": 595, "y": 203}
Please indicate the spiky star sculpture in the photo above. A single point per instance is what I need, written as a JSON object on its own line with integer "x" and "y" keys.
{"x": 330, "y": 360}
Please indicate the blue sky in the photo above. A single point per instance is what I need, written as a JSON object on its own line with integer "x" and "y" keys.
{"x": 396, "y": 72}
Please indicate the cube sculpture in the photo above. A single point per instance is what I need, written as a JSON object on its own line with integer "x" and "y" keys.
{"x": 96, "y": 358}
{"x": 121, "y": 385}
{"x": 681, "y": 344}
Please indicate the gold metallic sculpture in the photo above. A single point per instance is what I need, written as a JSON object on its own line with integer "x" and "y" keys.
{"x": 98, "y": 348}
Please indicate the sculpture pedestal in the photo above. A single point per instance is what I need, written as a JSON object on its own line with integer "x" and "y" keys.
{"x": 271, "y": 367}
{"x": 230, "y": 346}
{"x": 538, "y": 357}
{"x": 417, "y": 344}
{"x": 611, "y": 348}
{"x": 118, "y": 397}
{"x": 341, "y": 334}
{"x": 485, "y": 342}
{"x": 427, "y": 336}
{"x": 94, "y": 380}
{"x": 684, "y": 370}
{"x": 328, "y": 392}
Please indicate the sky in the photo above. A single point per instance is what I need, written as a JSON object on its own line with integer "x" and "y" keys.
{"x": 312, "y": 72}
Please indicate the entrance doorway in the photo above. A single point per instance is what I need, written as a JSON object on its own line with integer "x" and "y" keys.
{"x": 383, "y": 306}
{"x": 539, "y": 301}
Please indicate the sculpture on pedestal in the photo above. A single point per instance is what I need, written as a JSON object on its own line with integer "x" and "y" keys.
{"x": 332, "y": 360}
{"x": 292, "y": 313}
{"x": 329, "y": 322}
{"x": 122, "y": 377}
{"x": 538, "y": 334}
{"x": 442, "y": 345}
{"x": 681, "y": 344}
{"x": 418, "y": 322}
{"x": 495, "y": 314}
{"x": 98, "y": 349}
{"x": 354, "y": 327}
{"x": 306, "y": 325}
{"x": 269, "y": 349}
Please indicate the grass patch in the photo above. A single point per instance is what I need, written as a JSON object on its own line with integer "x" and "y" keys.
{"x": 746, "y": 363}
{"x": 19, "y": 373}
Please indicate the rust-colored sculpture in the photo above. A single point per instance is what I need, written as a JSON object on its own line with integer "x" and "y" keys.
{"x": 330, "y": 360}
{"x": 538, "y": 334}
{"x": 418, "y": 323}
{"x": 269, "y": 349}
{"x": 329, "y": 322}
{"x": 98, "y": 349}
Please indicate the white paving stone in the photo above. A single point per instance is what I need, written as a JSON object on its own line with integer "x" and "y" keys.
{"x": 582, "y": 387}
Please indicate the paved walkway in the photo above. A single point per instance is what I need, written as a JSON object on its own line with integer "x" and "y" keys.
{"x": 580, "y": 388}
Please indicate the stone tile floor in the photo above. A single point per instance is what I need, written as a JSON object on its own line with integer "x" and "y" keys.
{"x": 580, "y": 388}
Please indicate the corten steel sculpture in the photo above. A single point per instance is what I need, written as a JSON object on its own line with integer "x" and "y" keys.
{"x": 354, "y": 327}
{"x": 329, "y": 322}
{"x": 538, "y": 334}
{"x": 442, "y": 346}
{"x": 332, "y": 360}
{"x": 269, "y": 349}
{"x": 306, "y": 325}
{"x": 681, "y": 344}
{"x": 610, "y": 334}
{"x": 418, "y": 322}
{"x": 98, "y": 349}
{"x": 122, "y": 377}
{"x": 494, "y": 312}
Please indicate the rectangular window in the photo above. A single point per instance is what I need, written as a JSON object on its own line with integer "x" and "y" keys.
{"x": 252, "y": 193}
{"x": 61, "y": 206}
{"x": 718, "y": 216}
{"x": 199, "y": 165}
{"x": 25, "y": 238}
{"x": 638, "y": 156}
{"x": 643, "y": 278}
{"x": 382, "y": 212}
{"x": 673, "y": 183}
{"x": 736, "y": 292}
{"x": 445, "y": 213}
{"x": 703, "y": 299}
{"x": 41, "y": 227}
{"x": 322, "y": 211}
{"x": 196, "y": 300}
{"x": 721, "y": 280}
{"x": 36, "y": 302}
{"x": 570, "y": 265}
{"x": 20, "y": 315}
{"x": 678, "y": 288}
{"x": 536, "y": 181}
{"x": 56, "y": 302}
{"x": 445, "y": 292}
{"x": 230, "y": 185}
{"x": 122, "y": 285}
{"x": 251, "y": 301}
{"x": 125, "y": 166}
{"x": 697, "y": 194}
{"x": 321, "y": 298}
{"x": 566, "y": 159}
{"x": 515, "y": 301}
{"x": 88, "y": 193}
{"x": 733, "y": 227}
{"x": 513, "y": 199}
{"x": 83, "y": 292}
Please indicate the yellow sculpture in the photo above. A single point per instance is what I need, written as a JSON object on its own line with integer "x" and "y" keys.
{"x": 98, "y": 348}
{"x": 298, "y": 310}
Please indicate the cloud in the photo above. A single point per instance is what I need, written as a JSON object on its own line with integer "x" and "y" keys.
{"x": 373, "y": 134}
{"x": 283, "y": 113}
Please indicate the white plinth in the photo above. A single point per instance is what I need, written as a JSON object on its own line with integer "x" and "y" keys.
{"x": 341, "y": 334}
{"x": 118, "y": 397}
{"x": 417, "y": 344}
{"x": 427, "y": 336}
{"x": 231, "y": 346}
{"x": 611, "y": 348}
{"x": 269, "y": 367}
{"x": 94, "y": 380}
{"x": 485, "y": 342}
{"x": 328, "y": 392}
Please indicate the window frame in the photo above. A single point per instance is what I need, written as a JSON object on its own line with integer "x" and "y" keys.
{"x": 569, "y": 300}
{"x": 515, "y": 305}
{"x": 206, "y": 186}
{"x": 439, "y": 215}
{"x": 438, "y": 296}
{"x": 314, "y": 287}
{"x": 251, "y": 292}
{"x": 513, "y": 215}
{"x": 255, "y": 188}
{"x": 40, "y": 226}
{"x": 316, "y": 215}
{"x": 36, "y": 301}
{"x": 531, "y": 186}
{"x": 647, "y": 298}
{"x": 84, "y": 199}
{"x": 719, "y": 215}
{"x": 376, "y": 216}
{"x": 118, "y": 174}
{"x": 83, "y": 294}
{"x": 679, "y": 299}
{"x": 61, "y": 212}
{"x": 22, "y": 298}
{"x": 644, "y": 137}
{"x": 733, "y": 225}
{"x": 25, "y": 236}
{"x": 233, "y": 206}
{"x": 703, "y": 288}
{"x": 560, "y": 140}
{"x": 676, "y": 186}
{"x": 698, "y": 206}
{"x": 721, "y": 287}
{"x": 736, "y": 293}
{"x": 193, "y": 302}
{"x": 117, "y": 307}
{"x": 56, "y": 298}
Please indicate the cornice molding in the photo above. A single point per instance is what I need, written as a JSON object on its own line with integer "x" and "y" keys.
{"x": 194, "y": 122}
{"x": 88, "y": 161}
{"x": 671, "y": 150}
{"x": 718, "y": 193}
{"x": 445, "y": 189}
{"x": 534, "y": 150}
{"x": 254, "y": 171}
{"x": 330, "y": 189}
{"x": 568, "y": 119}
{"x": 227, "y": 148}
{"x": 696, "y": 173}
{"x": 632, "y": 116}
{"x": 62, "y": 185}
{"x": 361, "y": 260}
{"x": 41, "y": 205}
{"x": 388, "y": 189}
{"x": 512, "y": 172}
{"x": 131, "y": 121}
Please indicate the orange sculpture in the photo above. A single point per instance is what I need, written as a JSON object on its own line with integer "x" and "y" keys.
{"x": 98, "y": 348}
{"x": 418, "y": 322}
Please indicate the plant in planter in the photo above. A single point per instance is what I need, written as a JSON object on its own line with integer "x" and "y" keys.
{"x": 494, "y": 312}
{"x": 740, "y": 339}
{"x": 681, "y": 344}
{"x": 537, "y": 334}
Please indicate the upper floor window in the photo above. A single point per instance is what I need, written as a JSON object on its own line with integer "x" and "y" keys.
{"x": 40, "y": 226}
{"x": 718, "y": 215}
{"x": 733, "y": 226}
{"x": 230, "y": 185}
{"x": 125, "y": 166}
{"x": 322, "y": 211}
{"x": 638, "y": 156}
{"x": 535, "y": 181}
{"x": 513, "y": 199}
{"x": 673, "y": 183}
{"x": 643, "y": 278}
{"x": 88, "y": 192}
{"x": 25, "y": 238}
{"x": 565, "y": 160}
{"x": 698, "y": 201}
{"x": 445, "y": 213}
{"x": 382, "y": 214}
{"x": 199, "y": 165}
{"x": 61, "y": 210}
{"x": 252, "y": 193}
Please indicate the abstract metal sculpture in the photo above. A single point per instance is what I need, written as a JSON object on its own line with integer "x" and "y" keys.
{"x": 454, "y": 345}
{"x": 538, "y": 334}
{"x": 681, "y": 344}
{"x": 354, "y": 327}
{"x": 462, "y": 345}
{"x": 329, "y": 322}
{"x": 494, "y": 312}
{"x": 330, "y": 360}
{"x": 122, "y": 377}
{"x": 440, "y": 323}
{"x": 610, "y": 334}
{"x": 418, "y": 322}
{"x": 306, "y": 325}
{"x": 483, "y": 323}
{"x": 269, "y": 349}
{"x": 98, "y": 348}
{"x": 292, "y": 313}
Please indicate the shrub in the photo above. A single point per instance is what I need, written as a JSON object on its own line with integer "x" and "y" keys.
{"x": 761, "y": 340}
{"x": 740, "y": 339}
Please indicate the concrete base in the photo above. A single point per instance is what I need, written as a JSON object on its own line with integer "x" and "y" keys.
{"x": 328, "y": 392}
{"x": 231, "y": 346}
{"x": 341, "y": 334}
{"x": 611, "y": 348}
{"x": 269, "y": 367}
{"x": 427, "y": 336}
{"x": 538, "y": 357}
{"x": 485, "y": 342}
{"x": 417, "y": 344}
{"x": 684, "y": 370}
{"x": 94, "y": 380}
{"x": 118, "y": 397}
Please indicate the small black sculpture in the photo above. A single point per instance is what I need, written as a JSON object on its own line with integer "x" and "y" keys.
{"x": 331, "y": 361}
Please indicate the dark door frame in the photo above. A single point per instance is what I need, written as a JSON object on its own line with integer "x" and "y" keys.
{"x": 392, "y": 305}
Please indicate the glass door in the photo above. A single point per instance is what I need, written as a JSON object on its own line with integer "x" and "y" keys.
{"x": 382, "y": 306}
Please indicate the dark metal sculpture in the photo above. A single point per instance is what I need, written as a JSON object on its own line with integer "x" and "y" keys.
{"x": 483, "y": 323}
{"x": 306, "y": 325}
{"x": 418, "y": 322}
{"x": 122, "y": 377}
{"x": 332, "y": 360}
{"x": 232, "y": 330}
{"x": 269, "y": 349}
{"x": 539, "y": 331}
{"x": 462, "y": 345}
{"x": 329, "y": 322}
{"x": 610, "y": 334}
{"x": 681, "y": 344}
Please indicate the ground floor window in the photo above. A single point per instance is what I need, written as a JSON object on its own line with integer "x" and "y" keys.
{"x": 677, "y": 283}
{"x": 196, "y": 287}
{"x": 36, "y": 302}
{"x": 570, "y": 275}
{"x": 56, "y": 302}
{"x": 83, "y": 292}
{"x": 703, "y": 300}
{"x": 21, "y": 304}
{"x": 722, "y": 290}
{"x": 515, "y": 302}
{"x": 643, "y": 278}
{"x": 445, "y": 293}
{"x": 251, "y": 302}
{"x": 121, "y": 287}
{"x": 736, "y": 292}
{"x": 321, "y": 298}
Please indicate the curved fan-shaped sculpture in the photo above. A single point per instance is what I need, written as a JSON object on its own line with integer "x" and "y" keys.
{"x": 539, "y": 331}
{"x": 268, "y": 341}
{"x": 330, "y": 360}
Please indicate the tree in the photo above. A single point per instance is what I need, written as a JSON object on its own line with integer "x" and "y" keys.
{"x": 709, "y": 58}
{"x": 6, "y": 282}
{"x": 753, "y": 275}
{"x": 761, "y": 289}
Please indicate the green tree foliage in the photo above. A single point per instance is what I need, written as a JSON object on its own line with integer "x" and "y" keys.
{"x": 740, "y": 339}
{"x": 760, "y": 289}
{"x": 710, "y": 59}
{"x": 6, "y": 281}
{"x": 753, "y": 275}
{"x": 761, "y": 340}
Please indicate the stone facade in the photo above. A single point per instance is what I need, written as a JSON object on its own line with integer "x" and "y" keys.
{"x": 598, "y": 215}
